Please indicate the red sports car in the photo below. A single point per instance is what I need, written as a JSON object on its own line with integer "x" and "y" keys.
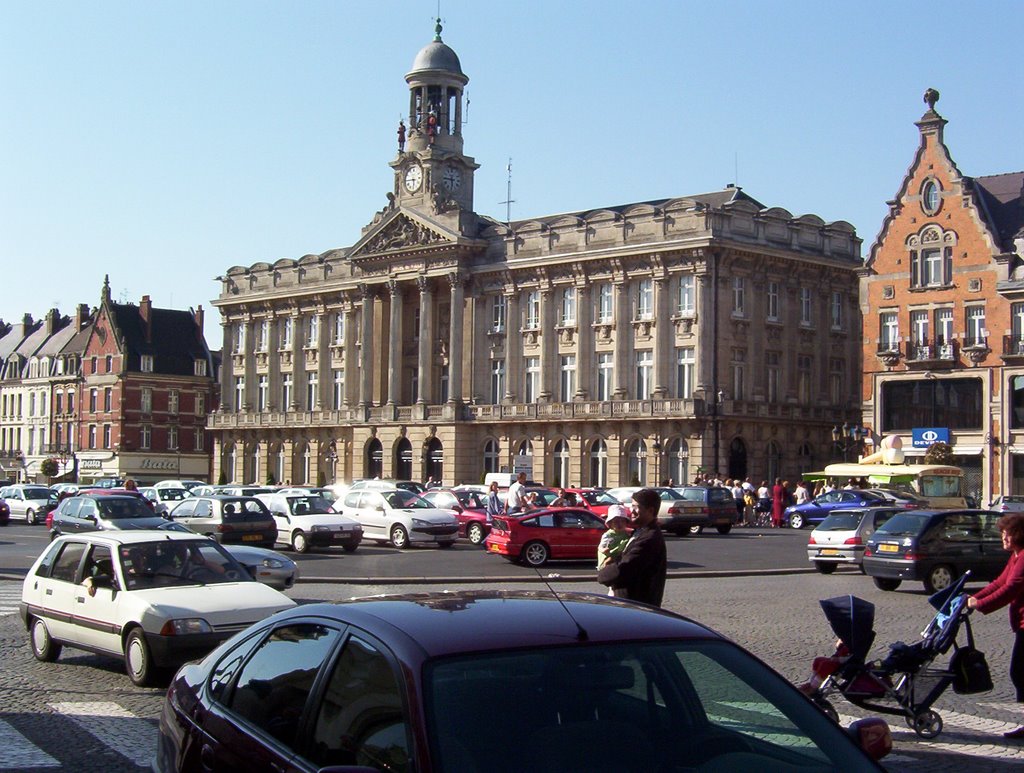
{"x": 470, "y": 509}
{"x": 538, "y": 536}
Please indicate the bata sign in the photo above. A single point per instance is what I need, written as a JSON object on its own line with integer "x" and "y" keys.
{"x": 158, "y": 464}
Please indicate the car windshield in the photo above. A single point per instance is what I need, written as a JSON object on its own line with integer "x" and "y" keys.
{"x": 118, "y": 508}
{"x": 564, "y": 705}
{"x": 599, "y": 498}
{"x": 470, "y": 498}
{"x": 903, "y": 525}
{"x": 172, "y": 494}
{"x": 404, "y": 500}
{"x": 308, "y": 505}
{"x": 841, "y": 522}
{"x": 37, "y": 493}
{"x": 169, "y": 562}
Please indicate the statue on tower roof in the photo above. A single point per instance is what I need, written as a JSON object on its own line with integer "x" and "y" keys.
{"x": 931, "y": 96}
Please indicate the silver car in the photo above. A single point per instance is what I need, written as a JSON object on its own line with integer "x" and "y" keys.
{"x": 1008, "y": 503}
{"x": 841, "y": 537}
{"x": 29, "y": 502}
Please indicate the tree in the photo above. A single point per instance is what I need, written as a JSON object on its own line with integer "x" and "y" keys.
{"x": 270, "y": 479}
{"x": 223, "y": 479}
{"x": 49, "y": 468}
{"x": 939, "y": 453}
{"x": 321, "y": 479}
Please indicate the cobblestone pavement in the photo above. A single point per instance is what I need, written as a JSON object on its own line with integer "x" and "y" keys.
{"x": 82, "y": 713}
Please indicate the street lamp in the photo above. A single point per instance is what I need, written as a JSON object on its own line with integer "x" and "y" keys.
{"x": 847, "y": 437}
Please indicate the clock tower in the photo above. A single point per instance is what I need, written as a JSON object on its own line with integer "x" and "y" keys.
{"x": 431, "y": 172}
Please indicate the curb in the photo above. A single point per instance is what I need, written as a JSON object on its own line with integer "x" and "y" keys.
{"x": 588, "y": 578}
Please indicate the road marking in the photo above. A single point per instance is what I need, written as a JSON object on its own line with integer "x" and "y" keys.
{"x": 10, "y": 596}
{"x": 116, "y": 727}
{"x": 19, "y": 752}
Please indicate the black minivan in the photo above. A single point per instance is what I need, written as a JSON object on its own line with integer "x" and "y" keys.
{"x": 935, "y": 547}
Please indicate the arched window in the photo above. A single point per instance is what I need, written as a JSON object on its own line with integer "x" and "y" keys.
{"x": 737, "y": 459}
{"x": 523, "y": 460}
{"x": 278, "y": 463}
{"x": 491, "y": 456}
{"x": 228, "y": 460}
{"x": 636, "y": 463}
{"x": 561, "y": 455}
{"x": 677, "y": 462}
{"x": 804, "y": 458}
{"x": 251, "y": 464}
{"x": 403, "y": 459}
{"x": 307, "y": 464}
{"x": 374, "y": 462}
{"x": 774, "y": 461}
{"x": 434, "y": 459}
{"x": 599, "y": 463}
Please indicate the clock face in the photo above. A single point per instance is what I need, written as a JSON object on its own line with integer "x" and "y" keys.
{"x": 452, "y": 179}
{"x": 413, "y": 177}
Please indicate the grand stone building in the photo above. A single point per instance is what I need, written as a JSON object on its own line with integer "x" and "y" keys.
{"x": 627, "y": 343}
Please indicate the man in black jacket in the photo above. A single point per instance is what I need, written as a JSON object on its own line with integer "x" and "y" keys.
{"x": 639, "y": 575}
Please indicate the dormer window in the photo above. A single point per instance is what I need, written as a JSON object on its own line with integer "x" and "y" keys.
{"x": 146, "y": 365}
{"x": 200, "y": 368}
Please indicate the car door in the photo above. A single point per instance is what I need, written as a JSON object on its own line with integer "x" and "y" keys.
{"x": 96, "y": 601}
{"x": 16, "y": 501}
{"x": 993, "y": 556}
{"x": 957, "y": 543}
{"x": 183, "y": 511}
{"x": 589, "y": 531}
{"x": 254, "y": 719}
{"x": 54, "y": 591}
{"x": 374, "y": 514}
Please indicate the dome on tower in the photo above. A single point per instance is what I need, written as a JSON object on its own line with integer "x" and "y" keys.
{"x": 436, "y": 55}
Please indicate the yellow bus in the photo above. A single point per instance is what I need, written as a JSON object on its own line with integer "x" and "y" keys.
{"x": 942, "y": 485}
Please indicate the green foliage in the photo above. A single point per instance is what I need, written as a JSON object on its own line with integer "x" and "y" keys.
{"x": 939, "y": 453}
{"x": 49, "y": 468}
{"x": 223, "y": 479}
{"x": 321, "y": 479}
{"x": 635, "y": 481}
{"x": 270, "y": 479}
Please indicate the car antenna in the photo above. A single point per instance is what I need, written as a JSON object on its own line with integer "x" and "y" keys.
{"x": 581, "y": 632}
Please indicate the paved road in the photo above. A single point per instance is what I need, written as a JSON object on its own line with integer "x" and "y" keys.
{"x": 83, "y": 713}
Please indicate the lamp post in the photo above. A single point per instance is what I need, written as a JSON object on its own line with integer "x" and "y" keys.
{"x": 716, "y": 402}
{"x": 656, "y": 446}
{"x": 847, "y": 437}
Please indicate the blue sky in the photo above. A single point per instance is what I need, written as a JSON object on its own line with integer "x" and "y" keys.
{"x": 163, "y": 142}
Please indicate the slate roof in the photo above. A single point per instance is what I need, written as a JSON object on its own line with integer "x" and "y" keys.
{"x": 175, "y": 343}
{"x": 1003, "y": 204}
{"x": 78, "y": 342}
{"x": 59, "y": 338}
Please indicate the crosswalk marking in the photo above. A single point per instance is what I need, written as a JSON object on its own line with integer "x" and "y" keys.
{"x": 19, "y": 752}
{"x": 130, "y": 736}
{"x": 10, "y": 595}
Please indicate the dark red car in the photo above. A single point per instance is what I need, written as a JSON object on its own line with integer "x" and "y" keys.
{"x": 594, "y": 499}
{"x": 5, "y": 513}
{"x": 538, "y": 536}
{"x": 470, "y": 508}
{"x": 416, "y": 683}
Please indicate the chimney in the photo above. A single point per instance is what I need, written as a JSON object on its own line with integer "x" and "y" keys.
{"x": 199, "y": 315}
{"x": 146, "y": 312}
{"x": 27, "y": 320}
{"x": 81, "y": 315}
{"x": 52, "y": 318}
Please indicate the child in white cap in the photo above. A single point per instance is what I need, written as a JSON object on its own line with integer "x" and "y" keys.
{"x": 613, "y": 541}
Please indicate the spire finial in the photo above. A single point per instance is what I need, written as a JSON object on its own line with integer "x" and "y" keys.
{"x": 437, "y": 30}
{"x": 106, "y": 288}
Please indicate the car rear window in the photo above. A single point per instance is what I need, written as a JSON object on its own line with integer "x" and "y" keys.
{"x": 841, "y": 522}
{"x": 308, "y": 505}
{"x": 904, "y": 525}
{"x": 695, "y": 494}
{"x": 719, "y": 495}
{"x": 116, "y": 508}
{"x": 245, "y": 510}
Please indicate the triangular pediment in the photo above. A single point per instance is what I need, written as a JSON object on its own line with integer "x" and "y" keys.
{"x": 402, "y": 230}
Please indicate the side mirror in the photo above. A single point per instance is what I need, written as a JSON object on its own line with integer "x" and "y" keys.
{"x": 91, "y": 518}
{"x": 873, "y": 736}
{"x": 379, "y": 508}
{"x": 103, "y": 581}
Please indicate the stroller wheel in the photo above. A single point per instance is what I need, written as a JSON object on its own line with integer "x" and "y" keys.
{"x": 927, "y": 724}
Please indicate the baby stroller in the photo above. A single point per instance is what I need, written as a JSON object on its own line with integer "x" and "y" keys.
{"x": 906, "y": 682}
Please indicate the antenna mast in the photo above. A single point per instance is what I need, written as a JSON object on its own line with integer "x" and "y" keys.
{"x": 509, "y": 201}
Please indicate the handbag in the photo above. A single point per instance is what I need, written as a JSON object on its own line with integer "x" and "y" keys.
{"x": 970, "y": 671}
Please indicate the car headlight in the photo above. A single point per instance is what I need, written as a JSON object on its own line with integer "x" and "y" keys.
{"x": 321, "y": 528}
{"x": 273, "y": 563}
{"x": 420, "y": 522}
{"x": 185, "y": 626}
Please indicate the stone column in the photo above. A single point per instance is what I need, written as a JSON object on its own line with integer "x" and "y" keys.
{"x": 395, "y": 344}
{"x": 227, "y": 371}
{"x": 249, "y": 355}
{"x": 513, "y": 346}
{"x": 350, "y": 396}
{"x": 365, "y": 355}
{"x": 662, "y": 331}
{"x": 323, "y": 360}
{"x": 425, "y": 370}
{"x": 623, "y": 340}
{"x": 298, "y": 371}
{"x": 584, "y": 343}
{"x": 456, "y": 333}
{"x": 273, "y": 364}
{"x": 548, "y": 346}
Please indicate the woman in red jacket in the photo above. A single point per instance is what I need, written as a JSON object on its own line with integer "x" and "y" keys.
{"x": 1008, "y": 589}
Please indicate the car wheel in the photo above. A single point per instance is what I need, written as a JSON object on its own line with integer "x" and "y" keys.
{"x": 475, "y": 533}
{"x": 825, "y": 567}
{"x": 535, "y": 554}
{"x": 350, "y": 547}
{"x": 939, "y": 578}
{"x": 886, "y": 583}
{"x": 43, "y": 646}
{"x": 299, "y": 542}
{"x": 399, "y": 537}
{"x": 796, "y": 521}
{"x": 724, "y": 528}
{"x": 138, "y": 661}
{"x": 696, "y": 530}
{"x": 30, "y": 517}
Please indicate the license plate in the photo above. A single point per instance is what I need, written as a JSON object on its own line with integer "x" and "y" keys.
{"x": 829, "y": 552}
{"x": 493, "y": 548}
{"x": 252, "y": 538}
{"x": 888, "y": 548}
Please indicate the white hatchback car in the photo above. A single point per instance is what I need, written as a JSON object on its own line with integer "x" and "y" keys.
{"x": 400, "y": 517}
{"x": 305, "y": 521}
{"x": 154, "y": 598}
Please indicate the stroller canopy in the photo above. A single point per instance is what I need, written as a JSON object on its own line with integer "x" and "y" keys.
{"x": 852, "y": 620}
